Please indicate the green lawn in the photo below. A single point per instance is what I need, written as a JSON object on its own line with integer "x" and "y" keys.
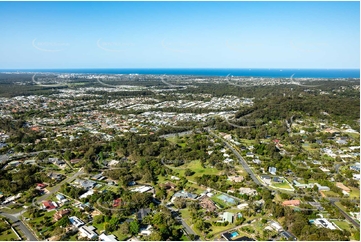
{"x": 38, "y": 223}
{"x": 185, "y": 238}
{"x": 330, "y": 194}
{"x": 247, "y": 142}
{"x": 177, "y": 140}
{"x": 195, "y": 166}
{"x": 8, "y": 235}
{"x": 281, "y": 185}
{"x": 218, "y": 229}
{"x": 341, "y": 206}
{"x": 120, "y": 236}
{"x": 99, "y": 227}
{"x": 354, "y": 192}
{"x": 198, "y": 189}
{"x": 342, "y": 224}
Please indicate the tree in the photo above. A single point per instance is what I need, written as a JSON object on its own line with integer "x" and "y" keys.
{"x": 63, "y": 222}
{"x": 188, "y": 172}
{"x": 180, "y": 203}
{"x": 155, "y": 236}
{"x": 134, "y": 227}
{"x": 98, "y": 219}
{"x": 124, "y": 228}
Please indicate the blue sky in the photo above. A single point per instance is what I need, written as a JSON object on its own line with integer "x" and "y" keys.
{"x": 179, "y": 35}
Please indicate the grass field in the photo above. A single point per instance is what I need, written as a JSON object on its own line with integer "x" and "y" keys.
{"x": 330, "y": 194}
{"x": 342, "y": 224}
{"x": 185, "y": 238}
{"x": 281, "y": 185}
{"x": 217, "y": 230}
{"x": 341, "y": 206}
{"x": 196, "y": 166}
{"x": 177, "y": 140}
{"x": 247, "y": 142}
{"x": 120, "y": 236}
{"x": 8, "y": 235}
{"x": 354, "y": 192}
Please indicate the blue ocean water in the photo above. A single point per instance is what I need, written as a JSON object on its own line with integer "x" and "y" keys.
{"x": 277, "y": 73}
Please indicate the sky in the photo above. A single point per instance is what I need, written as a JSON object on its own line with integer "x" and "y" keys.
{"x": 46, "y": 35}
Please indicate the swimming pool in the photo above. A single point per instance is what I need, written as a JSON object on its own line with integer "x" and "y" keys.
{"x": 234, "y": 234}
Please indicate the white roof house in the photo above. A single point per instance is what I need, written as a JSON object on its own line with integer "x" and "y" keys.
{"x": 76, "y": 221}
{"x": 88, "y": 231}
{"x": 276, "y": 226}
{"x": 322, "y": 222}
{"x": 104, "y": 237}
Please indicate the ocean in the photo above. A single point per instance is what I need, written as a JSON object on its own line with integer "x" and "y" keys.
{"x": 276, "y": 73}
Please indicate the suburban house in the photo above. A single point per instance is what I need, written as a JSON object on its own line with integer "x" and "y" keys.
{"x": 40, "y": 186}
{"x": 55, "y": 176}
{"x": 146, "y": 230}
{"x": 287, "y": 235}
{"x": 247, "y": 191}
{"x": 267, "y": 179}
{"x": 98, "y": 177}
{"x": 343, "y": 187}
{"x": 355, "y": 167}
{"x": 272, "y": 170}
{"x": 316, "y": 205}
{"x": 227, "y": 216}
{"x": 276, "y": 226}
{"x": 88, "y": 231}
{"x": 206, "y": 203}
{"x": 76, "y": 221}
{"x": 291, "y": 203}
{"x": 58, "y": 162}
{"x": 142, "y": 189}
{"x": 277, "y": 179}
{"x": 88, "y": 193}
{"x": 60, "y": 214}
{"x": 301, "y": 185}
{"x": 142, "y": 213}
{"x": 117, "y": 202}
{"x": 322, "y": 188}
{"x": 250, "y": 154}
{"x": 61, "y": 198}
{"x": 104, "y": 237}
{"x": 86, "y": 184}
{"x": 49, "y": 205}
{"x": 322, "y": 222}
{"x": 183, "y": 194}
{"x": 236, "y": 178}
{"x": 242, "y": 206}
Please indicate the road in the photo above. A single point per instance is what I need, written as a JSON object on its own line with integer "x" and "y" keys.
{"x": 57, "y": 187}
{"x": 188, "y": 229}
{"x": 19, "y": 224}
{"x": 240, "y": 158}
{"x": 354, "y": 222}
{"x": 254, "y": 178}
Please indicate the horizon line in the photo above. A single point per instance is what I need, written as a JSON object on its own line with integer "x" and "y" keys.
{"x": 269, "y": 68}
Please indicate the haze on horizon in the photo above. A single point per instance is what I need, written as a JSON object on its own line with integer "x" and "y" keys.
{"x": 38, "y": 35}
